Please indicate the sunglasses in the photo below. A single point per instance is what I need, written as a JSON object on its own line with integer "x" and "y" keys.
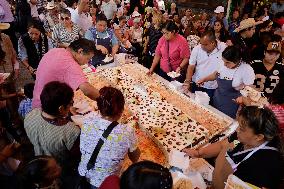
{"x": 65, "y": 18}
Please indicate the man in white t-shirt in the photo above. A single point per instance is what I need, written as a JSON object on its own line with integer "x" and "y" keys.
{"x": 205, "y": 59}
{"x": 81, "y": 15}
{"x": 109, "y": 7}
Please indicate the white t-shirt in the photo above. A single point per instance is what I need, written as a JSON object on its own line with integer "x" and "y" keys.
{"x": 206, "y": 64}
{"x": 241, "y": 76}
{"x": 109, "y": 8}
{"x": 83, "y": 20}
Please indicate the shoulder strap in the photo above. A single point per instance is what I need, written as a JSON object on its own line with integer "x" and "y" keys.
{"x": 168, "y": 54}
{"x": 95, "y": 153}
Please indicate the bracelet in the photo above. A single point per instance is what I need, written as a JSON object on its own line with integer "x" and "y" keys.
{"x": 187, "y": 81}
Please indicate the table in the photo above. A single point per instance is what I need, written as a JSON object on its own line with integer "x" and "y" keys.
{"x": 141, "y": 92}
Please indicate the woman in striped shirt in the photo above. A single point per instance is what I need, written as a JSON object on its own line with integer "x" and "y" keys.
{"x": 66, "y": 31}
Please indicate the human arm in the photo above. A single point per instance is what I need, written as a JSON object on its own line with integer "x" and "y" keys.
{"x": 134, "y": 156}
{"x": 184, "y": 54}
{"x": 115, "y": 45}
{"x": 221, "y": 171}
{"x": 134, "y": 151}
{"x": 189, "y": 74}
{"x": 89, "y": 90}
{"x": 82, "y": 5}
{"x": 210, "y": 77}
{"x": 209, "y": 151}
{"x": 8, "y": 151}
{"x": 155, "y": 62}
{"x": 114, "y": 50}
{"x": 182, "y": 65}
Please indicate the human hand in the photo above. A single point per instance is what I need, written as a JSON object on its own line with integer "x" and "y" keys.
{"x": 102, "y": 49}
{"x": 10, "y": 149}
{"x": 229, "y": 43}
{"x": 200, "y": 82}
{"x": 150, "y": 72}
{"x": 73, "y": 110}
{"x": 243, "y": 101}
{"x": 178, "y": 69}
{"x": 191, "y": 152}
{"x": 186, "y": 86}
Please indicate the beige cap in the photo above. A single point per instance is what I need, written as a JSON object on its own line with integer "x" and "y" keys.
{"x": 4, "y": 26}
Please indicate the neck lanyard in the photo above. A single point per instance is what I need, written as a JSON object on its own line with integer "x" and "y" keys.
{"x": 234, "y": 167}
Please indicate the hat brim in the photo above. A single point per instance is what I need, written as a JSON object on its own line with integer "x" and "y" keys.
{"x": 4, "y": 26}
{"x": 49, "y": 7}
{"x": 238, "y": 29}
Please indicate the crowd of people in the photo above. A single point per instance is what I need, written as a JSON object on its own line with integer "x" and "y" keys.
{"x": 213, "y": 52}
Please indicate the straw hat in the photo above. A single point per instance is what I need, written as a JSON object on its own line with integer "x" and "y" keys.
{"x": 247, "y": 23}
{"x": 4, "y": 26}
{"x": 50, "y": 5}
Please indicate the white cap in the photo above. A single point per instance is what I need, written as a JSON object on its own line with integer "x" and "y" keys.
{"x": 219, "y": 9}
{"x": 50, "y": 5}
{"x": 135, "y": 14}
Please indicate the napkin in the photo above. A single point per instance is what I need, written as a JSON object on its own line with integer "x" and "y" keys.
{"x": 178, "y": 159}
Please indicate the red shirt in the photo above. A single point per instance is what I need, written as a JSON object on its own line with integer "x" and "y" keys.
{"x": 278, "y": 110}
{"x": 111, "y": 182}
{"x": 178, "y": 50}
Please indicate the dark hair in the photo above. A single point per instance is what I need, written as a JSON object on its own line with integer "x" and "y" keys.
{"x": 54, "y": 95}
{"x": 70, "y": 3}
{"x": 210, "y": 34}
{"x": 88, "y": 46}
{"x": 110, "y": 102}
{"x": 170, "y": 26}
{"x": 65, "y": 11}
{"x": 37, "y": 25}
{"x": 223, "y": 32}
{"x": 146, "y": 174}
{"x": 262, "y": 121}
{"x": 2, "y": 54}
{"x": 28, "y": 90}
{"x": 232, "y": 53}
{"x": 121, "y": 18}
{"x": 34, "y": 172}
{"x": 101, "y": 17}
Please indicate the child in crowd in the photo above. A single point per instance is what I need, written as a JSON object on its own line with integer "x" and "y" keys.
{"x": 26, "y": 104}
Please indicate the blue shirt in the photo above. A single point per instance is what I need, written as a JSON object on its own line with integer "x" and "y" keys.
{"x": 89, "y": 35}
{"x": 25, "y": 107}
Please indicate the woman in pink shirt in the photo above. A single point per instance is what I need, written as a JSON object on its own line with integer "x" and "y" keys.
{"x": 172, "y": 52}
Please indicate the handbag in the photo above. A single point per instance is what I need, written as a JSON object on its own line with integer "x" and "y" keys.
{"x": 84, "y": 184}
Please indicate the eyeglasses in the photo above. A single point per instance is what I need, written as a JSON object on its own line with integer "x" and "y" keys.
{"x": 65, "y": 18}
